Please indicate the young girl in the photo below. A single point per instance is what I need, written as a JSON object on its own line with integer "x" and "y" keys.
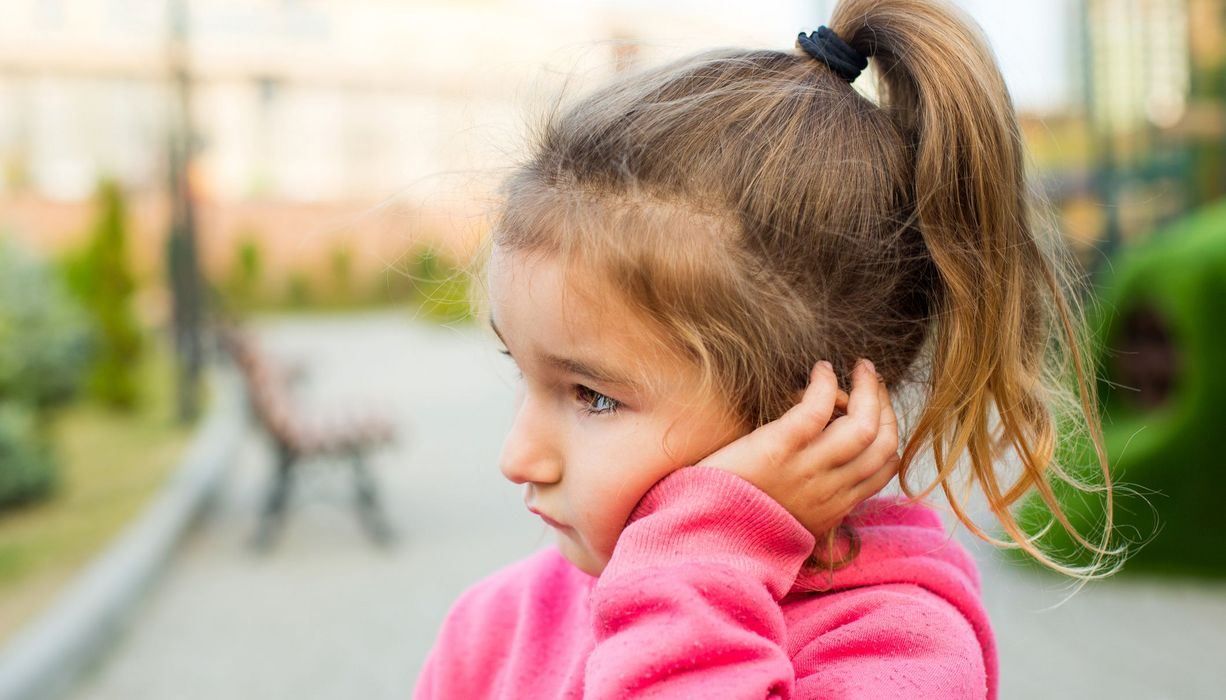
{"x": 685, "y": 269}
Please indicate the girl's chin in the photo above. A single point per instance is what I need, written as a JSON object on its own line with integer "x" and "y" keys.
{"x": 580, "y": 556}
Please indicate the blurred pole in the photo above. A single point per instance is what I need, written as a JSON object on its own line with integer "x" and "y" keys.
{"x": 1103, "y": 174}
{"x": 1206, "y": 169}
{"x": 182, "y": 260}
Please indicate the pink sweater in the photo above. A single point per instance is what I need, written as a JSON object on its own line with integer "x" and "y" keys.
{"x": 705, "y": 597}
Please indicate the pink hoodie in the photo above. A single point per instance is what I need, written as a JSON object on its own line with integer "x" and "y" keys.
{"x": 705, "y": 597}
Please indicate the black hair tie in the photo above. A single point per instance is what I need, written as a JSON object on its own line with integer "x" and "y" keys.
{"x": 827, "y": 47}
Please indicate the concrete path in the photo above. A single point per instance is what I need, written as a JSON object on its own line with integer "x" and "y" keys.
{"x": 327, "y": 616}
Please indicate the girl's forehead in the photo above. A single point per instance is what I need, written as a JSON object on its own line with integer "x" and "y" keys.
{"x": 541, "y": 294}
{"x": 541, "y": 305}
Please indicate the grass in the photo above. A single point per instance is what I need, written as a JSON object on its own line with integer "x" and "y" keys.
{"x": 110, "y": 465}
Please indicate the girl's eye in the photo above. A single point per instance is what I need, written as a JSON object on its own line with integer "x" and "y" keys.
{"x": 594, "y": 402}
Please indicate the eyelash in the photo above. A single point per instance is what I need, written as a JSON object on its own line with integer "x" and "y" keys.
{"x": 588, "y": 397}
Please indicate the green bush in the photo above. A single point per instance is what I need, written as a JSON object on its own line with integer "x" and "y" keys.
{"x": 298, "y": 290}
{"x": 242, "y": 288}
{"x": 340, "y": 260}
{"x": 103, "y": 280}
{"x": 1161, "y": 331}
{"x": 44, "y": 342}
{"x": 27, "y": 470}
{"x": 44, "y": 351}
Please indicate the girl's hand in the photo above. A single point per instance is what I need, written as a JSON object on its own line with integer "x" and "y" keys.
{"x": 817, "y": 468}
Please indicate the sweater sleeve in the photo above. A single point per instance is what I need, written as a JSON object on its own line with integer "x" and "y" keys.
{"x": 688, "y": 605}
{"x": 427, "y": 686}
{"x": 889, "y": 641}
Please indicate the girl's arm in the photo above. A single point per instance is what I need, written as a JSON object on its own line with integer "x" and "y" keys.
{"x": 688, "y": 605}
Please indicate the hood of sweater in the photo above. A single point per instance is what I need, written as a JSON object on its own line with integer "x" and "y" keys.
{"x": 905, "y": 542}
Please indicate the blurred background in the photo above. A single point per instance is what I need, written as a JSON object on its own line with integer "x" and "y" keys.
{"x": 300, "y": 185}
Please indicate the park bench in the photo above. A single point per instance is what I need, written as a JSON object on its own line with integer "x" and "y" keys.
{"x": 299, "y": 437}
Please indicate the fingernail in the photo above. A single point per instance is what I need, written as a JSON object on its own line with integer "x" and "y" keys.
{"x": 826, "y": 364}
{"x": 869, "y": 364}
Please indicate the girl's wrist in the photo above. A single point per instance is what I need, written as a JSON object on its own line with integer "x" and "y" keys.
{"x": 704, "y": 515}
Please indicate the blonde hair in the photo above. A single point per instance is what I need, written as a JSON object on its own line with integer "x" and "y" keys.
{"x": 763, "y": 215}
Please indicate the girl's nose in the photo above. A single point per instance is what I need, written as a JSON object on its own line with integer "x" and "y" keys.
{"x": 529, "y": 453}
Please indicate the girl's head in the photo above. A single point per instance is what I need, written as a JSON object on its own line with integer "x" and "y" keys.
{"x": 753, "y": 213}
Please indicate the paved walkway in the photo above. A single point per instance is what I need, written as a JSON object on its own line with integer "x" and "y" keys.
{"x": 325, "y": 615}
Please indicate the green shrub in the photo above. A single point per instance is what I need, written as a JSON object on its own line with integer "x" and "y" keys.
{"x": 44, "y": 341}
{"x": 102, "y": 278}
{"x": 27, "y": 470}
{"x": 298, "y": 289}
{"x": 340, "y": 261}
{"x": 242, "y": 288}
{"x": 1161, "y": 331}
{"x": 44, "y": 352}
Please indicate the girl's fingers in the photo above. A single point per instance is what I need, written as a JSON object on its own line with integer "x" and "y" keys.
{"x": 881, "y": 460}
{"x": 853, "y": 433}
{"x": 884, "y": 445}
{"x": 877, "y": 481}
{"x": 810, "y": 416}
{"x": 840, "y": 403}
{"x": 888, "y": 425}
{"x": 876, "y": 465}
{"x": 887, "y": 407}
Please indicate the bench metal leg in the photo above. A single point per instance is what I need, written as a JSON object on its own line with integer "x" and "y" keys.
{"x": 272, "y": 518}
{"x": 370, "y": 510}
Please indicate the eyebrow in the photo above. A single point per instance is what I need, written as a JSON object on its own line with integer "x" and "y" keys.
{"x": 573, "y": 366}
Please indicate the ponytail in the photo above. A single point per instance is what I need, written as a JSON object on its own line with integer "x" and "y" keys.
{"x": 1008, "y": 333}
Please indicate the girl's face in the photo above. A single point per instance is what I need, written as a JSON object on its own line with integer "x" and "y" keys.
{"x": 602, "y": 412}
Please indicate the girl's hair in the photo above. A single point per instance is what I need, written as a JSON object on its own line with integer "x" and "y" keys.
{"x": 762, "y": 214}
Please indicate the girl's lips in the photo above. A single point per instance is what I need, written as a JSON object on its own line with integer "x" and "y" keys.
{"x": 548, "y": 520}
